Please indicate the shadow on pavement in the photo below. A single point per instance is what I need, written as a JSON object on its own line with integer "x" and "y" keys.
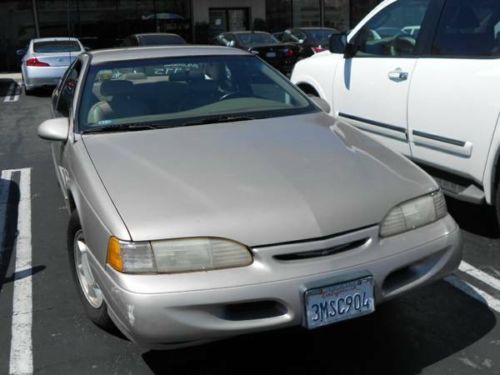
{"x": 5, "y": 86}
{"x": 8, "y": 224}
{"x": 43, "y": 92}
{"x": 403, "y": 337}
{"x": 8, "y": 232}
{"x": 477, "y": 219}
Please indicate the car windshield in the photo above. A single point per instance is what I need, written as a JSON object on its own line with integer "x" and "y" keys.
{"x": 161, "y": 40}
{"x": 184, "y": 91}
{"x": 56, "y": 46}
{"x": 254, "y": 39}
{"x": 319, "y": 36}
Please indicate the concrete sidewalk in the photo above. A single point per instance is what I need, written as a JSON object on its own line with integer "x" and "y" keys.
{"x": 14, "y": 76}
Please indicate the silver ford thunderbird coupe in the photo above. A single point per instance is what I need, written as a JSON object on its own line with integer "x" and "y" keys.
{"x": 209, "y": 198}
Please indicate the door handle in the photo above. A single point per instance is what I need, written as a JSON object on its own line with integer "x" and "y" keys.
{"x": 398, "y": 75}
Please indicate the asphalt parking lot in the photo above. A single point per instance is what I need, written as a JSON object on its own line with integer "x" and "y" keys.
{"x": 449, "y": 327}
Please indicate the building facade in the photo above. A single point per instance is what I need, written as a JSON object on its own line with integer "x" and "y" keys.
{"x": 104, "y": 23}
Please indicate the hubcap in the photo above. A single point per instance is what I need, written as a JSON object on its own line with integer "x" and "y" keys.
{"x": 88, "y": 285}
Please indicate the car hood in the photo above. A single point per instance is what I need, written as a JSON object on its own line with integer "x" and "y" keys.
{"x": 257, "y": 182}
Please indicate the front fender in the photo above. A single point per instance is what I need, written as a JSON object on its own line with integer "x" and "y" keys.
{"x": 318, "y": 72}
{"x": 491, "y": 172}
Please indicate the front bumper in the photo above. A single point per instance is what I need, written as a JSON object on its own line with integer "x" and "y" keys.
{"x": 168, "y": 311}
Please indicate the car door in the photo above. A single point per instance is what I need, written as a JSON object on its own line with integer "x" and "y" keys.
{"x": 454, "y": 101}
{"x": 63, "y": 98}
{"x": 371, "y": 88}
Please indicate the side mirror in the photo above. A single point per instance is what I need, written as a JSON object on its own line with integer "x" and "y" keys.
{"x": 21, "y": 52}
{"x": 320, "y": 103}
{"x": 55, "y": 129}
{"x": 338, "y": 43}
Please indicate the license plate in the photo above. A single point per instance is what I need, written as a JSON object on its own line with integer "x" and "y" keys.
{"x": 271, "y": 54}
{"x": 335, "y": 303}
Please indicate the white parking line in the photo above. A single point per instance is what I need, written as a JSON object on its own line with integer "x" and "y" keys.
{"x": 13, "y": 92}
{"x": 21, "y": 348}
{"x": 482, "y": 276}
{"x": 475, "y": 292}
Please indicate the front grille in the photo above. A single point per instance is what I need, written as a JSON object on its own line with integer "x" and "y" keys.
{"x": 322, "y": 252}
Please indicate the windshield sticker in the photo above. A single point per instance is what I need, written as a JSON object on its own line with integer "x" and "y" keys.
{"x": 105, "y": 122}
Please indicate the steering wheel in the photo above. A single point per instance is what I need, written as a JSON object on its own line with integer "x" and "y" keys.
{"x": 402, "y": 45}
{"x": 231, "y": 95}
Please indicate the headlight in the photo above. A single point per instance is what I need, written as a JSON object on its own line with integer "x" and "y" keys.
{"x": 414, "y": 214}
{"x": 175, "y": 256}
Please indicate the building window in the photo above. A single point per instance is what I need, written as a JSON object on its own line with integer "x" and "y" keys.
{"x": 337, "y": 14}
{"x": 278, "y": 15}
{"x": 307, "y": 13}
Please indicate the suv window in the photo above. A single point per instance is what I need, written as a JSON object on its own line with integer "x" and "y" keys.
{"x": 67, "y": 90}
{"x": 394, "y": 31}
{"x": 469, "y": 28}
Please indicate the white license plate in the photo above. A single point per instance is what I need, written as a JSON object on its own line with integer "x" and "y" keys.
{"x": 332, "y": 304}
{"x": 271, "y": 54}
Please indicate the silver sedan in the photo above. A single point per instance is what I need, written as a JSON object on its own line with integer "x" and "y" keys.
{"x": 46, "y": 59}
{"x": 209, "y": 198}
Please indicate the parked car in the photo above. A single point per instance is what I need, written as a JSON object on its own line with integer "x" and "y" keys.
{"x": 219, "y": 200}
{"x": 310, "y": 40}
{"x": 153, "y": 39}
{"x": 434, "y": 99}
{"x": 266, "y": 46}
{"x": 46, "y": 59}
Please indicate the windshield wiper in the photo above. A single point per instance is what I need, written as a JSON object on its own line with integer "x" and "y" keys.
{"x": 218, "y": 120}
{"x": 147, "y": 126}
{"x": 120, "y": 128}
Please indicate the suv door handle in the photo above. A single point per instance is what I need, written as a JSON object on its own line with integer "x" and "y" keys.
{"x": 398, "y": 75}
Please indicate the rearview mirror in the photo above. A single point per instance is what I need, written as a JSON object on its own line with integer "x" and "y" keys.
{"x": 320, "y": 103}
{"x": 56, "y": 129}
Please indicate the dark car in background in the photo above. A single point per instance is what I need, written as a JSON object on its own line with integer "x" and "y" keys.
{"x": 153, "y": 39}
{"x": 310, "y": 40}
{"x": 280, "y": 55}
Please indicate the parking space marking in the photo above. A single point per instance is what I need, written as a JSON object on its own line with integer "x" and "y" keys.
{"x": 474, "y": 292}
{"x": 4, "y": 200}
{"x": 13, "y": 93}
{"x": 21, "y": 348}
{"x": 482, "y": 276}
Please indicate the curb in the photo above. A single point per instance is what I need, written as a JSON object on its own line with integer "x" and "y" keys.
{"x": 14, "y": 76}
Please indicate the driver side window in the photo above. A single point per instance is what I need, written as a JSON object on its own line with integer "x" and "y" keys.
{"x": 393, "y": 32}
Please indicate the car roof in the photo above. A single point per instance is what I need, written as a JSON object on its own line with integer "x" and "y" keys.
{"x": 55, "y": 39}
{"x": 247, "y": 32}
{"x": 157, "y": 34}
{"x": 313, "y": 28}
{"x": 138, "y": 53}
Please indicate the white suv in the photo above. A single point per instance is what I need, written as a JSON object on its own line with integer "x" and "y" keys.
{"x": 423, "y": 77}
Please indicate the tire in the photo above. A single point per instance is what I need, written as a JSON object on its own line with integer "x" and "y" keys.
{"x": 96, "y": 309}
{"x": 497, "y": 203}
{"x": 28, "y": 92}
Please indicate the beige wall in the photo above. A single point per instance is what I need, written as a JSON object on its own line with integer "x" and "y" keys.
{"x": 200, "y": 8}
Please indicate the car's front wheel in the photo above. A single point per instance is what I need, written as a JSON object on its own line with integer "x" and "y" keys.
{"x": 89, "y": 291}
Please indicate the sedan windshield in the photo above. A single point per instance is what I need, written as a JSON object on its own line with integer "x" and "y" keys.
{"x": 161, "y": 40}
{"x": 185, "y": 91}
{"x": 319, "y": 36}
{"x": 254, "y": 39}
{"x": 56, "y": 46}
